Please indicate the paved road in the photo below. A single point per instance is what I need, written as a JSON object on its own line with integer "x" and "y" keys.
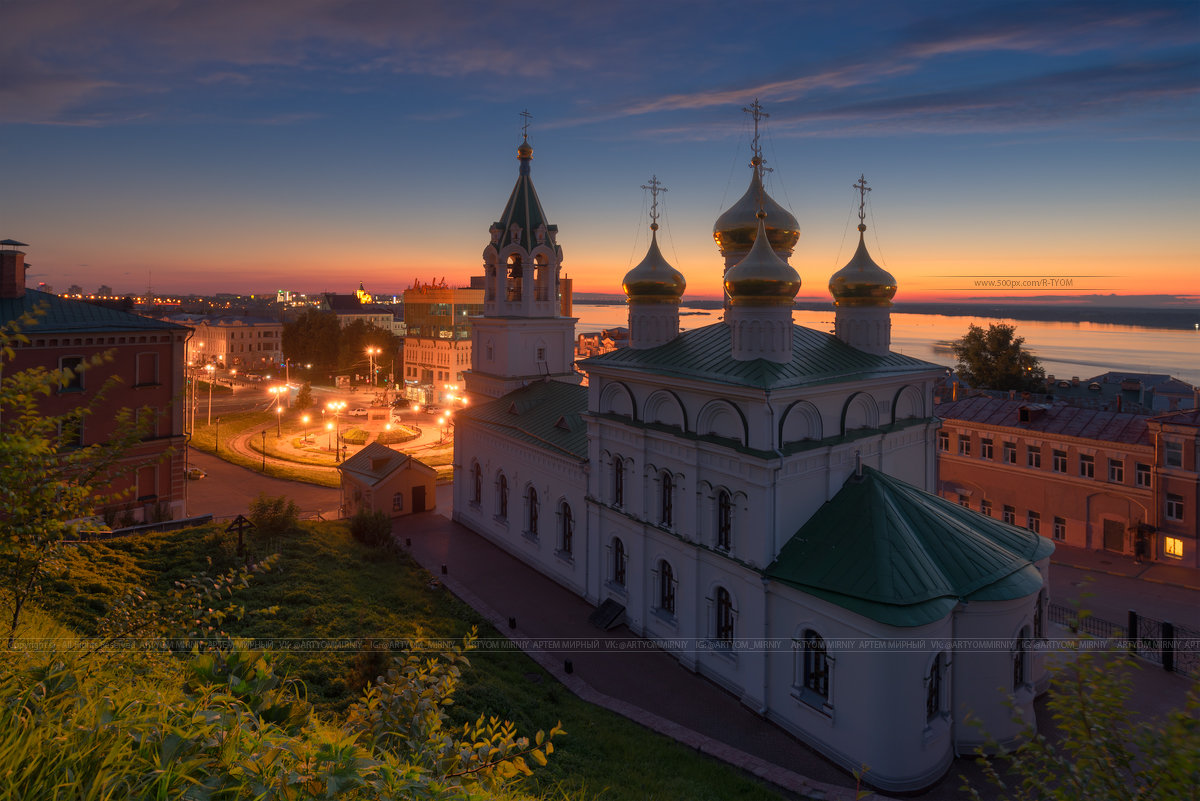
{"x": 1111, "y": 597}
{"x": 228, "y": 490}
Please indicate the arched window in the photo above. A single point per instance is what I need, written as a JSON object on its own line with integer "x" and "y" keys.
{"x": 1019, "y": 658}
{"x": 933, "y": 689}
{"x": 502, "y": 497}
{"x": 566, "y": 528}
{"x": 618, "y": 567}
{"x": 724, "y": 520}
{"x": 476, "y": 483}
{"x": 667, "y": 506}
{"x": 724, "y": 621}
{"x": 666, "y": 587}
{"x": 531, "y": 501}
{"x": 816, "y": 664}
{"x": 618, "y": 481}
{"x": 513, "y": 287}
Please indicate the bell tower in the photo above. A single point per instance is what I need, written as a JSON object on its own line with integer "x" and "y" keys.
{"x": 522, "y": 336}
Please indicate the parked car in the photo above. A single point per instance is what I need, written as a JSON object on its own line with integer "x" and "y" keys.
{"x": 432, "y": 408}
{"x": 357, "y": 412}
{"x": 196, "y": 473}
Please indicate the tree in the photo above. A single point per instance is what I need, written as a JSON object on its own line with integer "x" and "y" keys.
{"x": 996, "y": 359}
{"x": 1099, "y": 750}
{"x": 312, "y": 338}
{"x": 50, "y": 485}
{"x": 304, "y": 397}
{"x": 357, "y": 337}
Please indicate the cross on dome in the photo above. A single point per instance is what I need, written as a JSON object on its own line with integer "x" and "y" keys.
{"x": 863, "y": 189}
{"x": 525, "y": 126}
{"x": 655, "y": 187}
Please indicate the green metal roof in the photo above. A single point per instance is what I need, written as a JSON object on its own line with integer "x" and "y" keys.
{"x": 548, "y": 414}
{"x": 525, "y": 209}
{"x": 63, "y": 314}
{"x": 706, "y": 353}
{"x": 896, "y": 554}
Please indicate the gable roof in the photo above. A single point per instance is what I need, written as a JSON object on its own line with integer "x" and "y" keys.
{"x": 886, "y": 550}
{"x": 548, "y": 414}
{"x": 376, "y": 462}
{"x": 1070, "y": 421}
{"x": 706, "y": 353}
{"x": 64, "y": 314}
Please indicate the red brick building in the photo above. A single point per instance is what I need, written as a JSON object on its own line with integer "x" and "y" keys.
{"x": 147, "y": 360}
{"x": 1120, "y": 482}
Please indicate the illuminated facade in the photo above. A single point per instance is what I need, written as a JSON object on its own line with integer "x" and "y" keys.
{"x": 437, "y": 339}
{"x": 246, "y": 343}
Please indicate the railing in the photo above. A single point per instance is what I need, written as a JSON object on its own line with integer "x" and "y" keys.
{"x": 1175, "y": 648}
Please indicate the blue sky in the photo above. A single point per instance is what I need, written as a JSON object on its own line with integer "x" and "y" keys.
{"x": 312, "y": 144}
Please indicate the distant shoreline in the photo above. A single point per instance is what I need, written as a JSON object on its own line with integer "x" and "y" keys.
{"x": 1170, "y": 319}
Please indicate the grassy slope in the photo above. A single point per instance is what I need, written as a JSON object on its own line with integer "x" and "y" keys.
{"x": 326, "y": 585}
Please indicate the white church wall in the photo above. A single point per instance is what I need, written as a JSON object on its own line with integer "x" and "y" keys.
{"x": 874, "y": 711}
{"x": 555, "y": 479}
{"x": 984, "y": 671}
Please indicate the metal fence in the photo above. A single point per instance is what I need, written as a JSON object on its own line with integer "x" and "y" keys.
{"x": 1175, "y": 648}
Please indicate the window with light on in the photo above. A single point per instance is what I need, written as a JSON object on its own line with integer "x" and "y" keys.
{"x": 1173, "y": 547}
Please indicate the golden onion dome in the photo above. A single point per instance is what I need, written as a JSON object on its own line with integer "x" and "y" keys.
{"x": 525, "y": 150}
{"x": 862, "y": 282}
{"x": 654, "y": 280}
{"x": 736, "y": 229}
{"x": 762, "y": 278}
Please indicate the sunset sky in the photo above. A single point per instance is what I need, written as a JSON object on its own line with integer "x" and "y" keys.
{"x": 247, "y": 146}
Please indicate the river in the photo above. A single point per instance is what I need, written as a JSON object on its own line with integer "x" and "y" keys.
{"x": 1065, "y": 349}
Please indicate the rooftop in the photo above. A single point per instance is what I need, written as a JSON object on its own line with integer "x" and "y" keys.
{"x": 886, "y": 550}
{"x": 376, "y": 462}
{"x": 1059, "y": 418}
{"x": 706, "y": 353}
{"x": 63, "y": 314}
{"x": 547, "y": 414}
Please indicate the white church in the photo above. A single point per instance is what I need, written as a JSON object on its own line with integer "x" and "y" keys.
{"x": 753, "y": 483}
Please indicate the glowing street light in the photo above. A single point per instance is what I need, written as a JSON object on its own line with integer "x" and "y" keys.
{"x": 209, "y": 369}
{"x": 305, "y": 419}
{"x": 372, "y": 352}
{"x": 278, "y": 421}
{"x": 329, "y": 436}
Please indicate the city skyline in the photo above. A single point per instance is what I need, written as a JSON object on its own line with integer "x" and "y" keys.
{"x": 220, "y": 147}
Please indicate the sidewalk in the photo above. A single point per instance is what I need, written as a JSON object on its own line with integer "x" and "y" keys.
{"x": 647, "y": 686}
{"x": 1122, "y": 565}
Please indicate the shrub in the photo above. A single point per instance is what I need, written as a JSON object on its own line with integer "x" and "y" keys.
{"x": 273, "y": 517}
{"x": 355, "y": 436}
{"x": 371, "y": 528}
{"x": 396, "y": 435}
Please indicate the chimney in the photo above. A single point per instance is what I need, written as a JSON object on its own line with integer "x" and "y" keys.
{"x": 12, "y": 269}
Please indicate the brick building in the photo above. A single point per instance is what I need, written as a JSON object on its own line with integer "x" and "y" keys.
{"x": 147, "y": 358}
{"x": 1101, "y": 480}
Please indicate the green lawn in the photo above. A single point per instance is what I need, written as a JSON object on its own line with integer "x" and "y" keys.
{"x": 328, "y": 586}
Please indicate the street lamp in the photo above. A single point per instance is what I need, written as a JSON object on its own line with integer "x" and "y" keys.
{"x": 336, "y": 407}
{"x": 305, "y": 419}
{"x": 372, "y": 352}
{"x": 278, "y": 421}
{"x": 329, "y": 436}
{"x": 210, "y": 368}
{"x": 217, "y": 437}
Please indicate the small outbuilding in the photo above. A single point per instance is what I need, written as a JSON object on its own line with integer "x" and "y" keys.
{"x": 380, "y": 479}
